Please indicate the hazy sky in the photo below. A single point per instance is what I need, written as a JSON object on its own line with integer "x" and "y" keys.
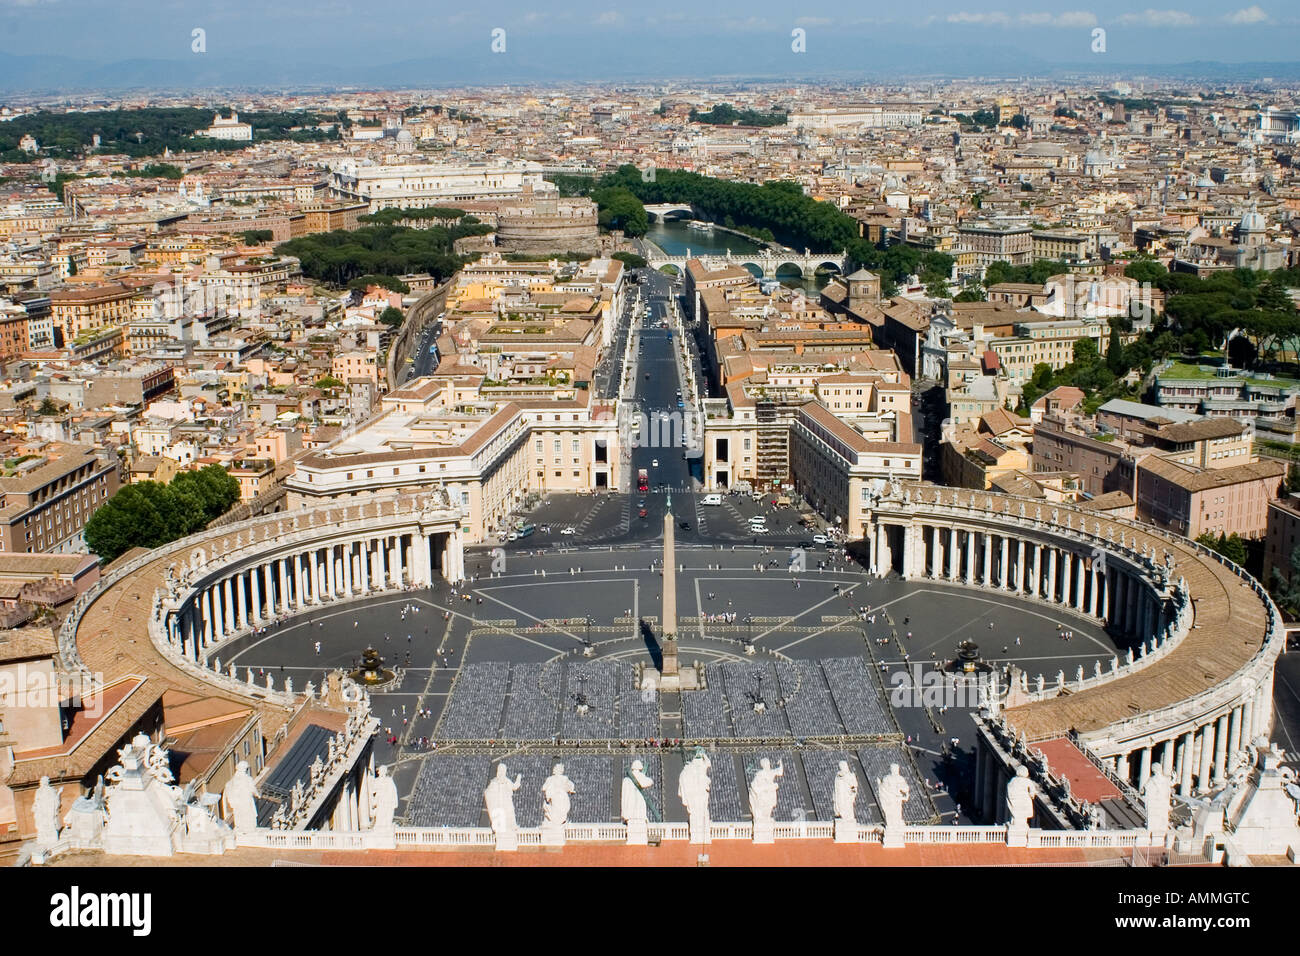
{"x": 589, "y": 38}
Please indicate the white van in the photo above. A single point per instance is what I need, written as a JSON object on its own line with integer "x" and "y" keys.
{"x": 758, "y": 522}
{"x": 711, "y": 500}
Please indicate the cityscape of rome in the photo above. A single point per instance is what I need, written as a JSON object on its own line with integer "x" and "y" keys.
{"x": 749, "y": 464}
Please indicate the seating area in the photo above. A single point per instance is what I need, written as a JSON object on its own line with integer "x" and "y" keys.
{"x": 820, "y": 768}
{"x": 638, "y": 718}
{"x": 449, "y": 791}
{"x": 478, "y": 696}
{"x": 502, "y": 701}
{"x": 809, "y": 707}
{"x": 596, "y": 681}
{"x": 724, "y": 792}
{"x": 704, "y": 712}
{"x": 534, "y": 704}
{"x": 745, "y": 685}
{"x": 858, "y": 698}
{"x": 875, "y": 764}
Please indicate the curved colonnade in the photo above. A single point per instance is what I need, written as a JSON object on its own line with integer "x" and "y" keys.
{"x": 1196, "y": 683}
{"x": 217, "y": 585}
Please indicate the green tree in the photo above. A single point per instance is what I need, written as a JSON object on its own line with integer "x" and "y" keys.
{"x": 630, "y": 259}
{"x": 1115, "y": 353}
{"x": 619, "y": 208}
{"x": 133, "y": 517}
{"x": 1145, "y": 270}
{"x": 391, "y": 316}
{"x": 328, "y": 382}
{"x": 49, "y": 407}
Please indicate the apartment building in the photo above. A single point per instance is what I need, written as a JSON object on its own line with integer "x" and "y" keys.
{"x": 48, "y": 491}
{"x": 81, "y": 308}
{"x": 990, "y": 243}
{"x": 1219, "y": 501}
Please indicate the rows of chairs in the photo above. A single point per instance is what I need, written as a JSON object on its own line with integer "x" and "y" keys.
{"x": 473, "y": 711}
{"x": 704, "y": 711}
{"x": 533, "y": 710}
{"x": 596, "y": 681}
{"x": 449, "y": 791}
{"x": 638, "y": 713}
{"x": 744, "y": 689}
{"x": 858, "y": 698}
{"x": 809, "y": 709}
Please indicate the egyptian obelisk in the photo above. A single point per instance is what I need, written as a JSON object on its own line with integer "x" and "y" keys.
{"x": 668, "y": 629}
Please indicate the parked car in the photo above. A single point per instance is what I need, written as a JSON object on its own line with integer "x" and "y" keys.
{"x": 821, "y": 539}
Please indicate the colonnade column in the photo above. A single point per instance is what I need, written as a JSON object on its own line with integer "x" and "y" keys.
{"x": 241, "y": 608}
{"x": 1185, "y": 746}
{"x": 1051, "y": 575}
{"x": 1020, "y": 566}
{"x": 255, "y": 582}
{"x": 1067, "y": 558}
{"x": 970, "y": 557}
{"x": 988, "y": 559}
{"x": 954, "y": 555}
{"x": 1207, "y": 757}
{"x": 208, "y": 619}
{"x": 313, "y": 593}
{"x": 1221, "y": 751}
{"x": 1004, "y": 546}
{"x": 1080, "y": 582}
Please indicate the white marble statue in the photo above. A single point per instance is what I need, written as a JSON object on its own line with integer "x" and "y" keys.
{"x": 84, "y": 823}
{"x": 892, "y": 791}
{"x": 844, "y": 800}
{"x": 499, "y": 797}
{"x": 762, "y": 798}
{"x": 1156, "y": 793}
{"x": 383, "y": 800}
{"x": 45, "y": 811}
{"x": 635, "y": 803}
{"x": 693, "y": 788}
{"x": 1020, "y": 799}
{"x": 240, "y": 798}
{"x": 556, "y": 790}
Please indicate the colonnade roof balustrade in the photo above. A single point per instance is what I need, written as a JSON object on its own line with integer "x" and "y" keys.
{"x": 1236, "y": 633}
{"x": 107, "y": 633}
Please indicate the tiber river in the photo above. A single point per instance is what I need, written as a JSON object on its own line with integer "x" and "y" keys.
{"x": 675, "y": 237}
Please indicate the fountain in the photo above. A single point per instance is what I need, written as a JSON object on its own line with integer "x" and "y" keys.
{"x": 372, "y": 672}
